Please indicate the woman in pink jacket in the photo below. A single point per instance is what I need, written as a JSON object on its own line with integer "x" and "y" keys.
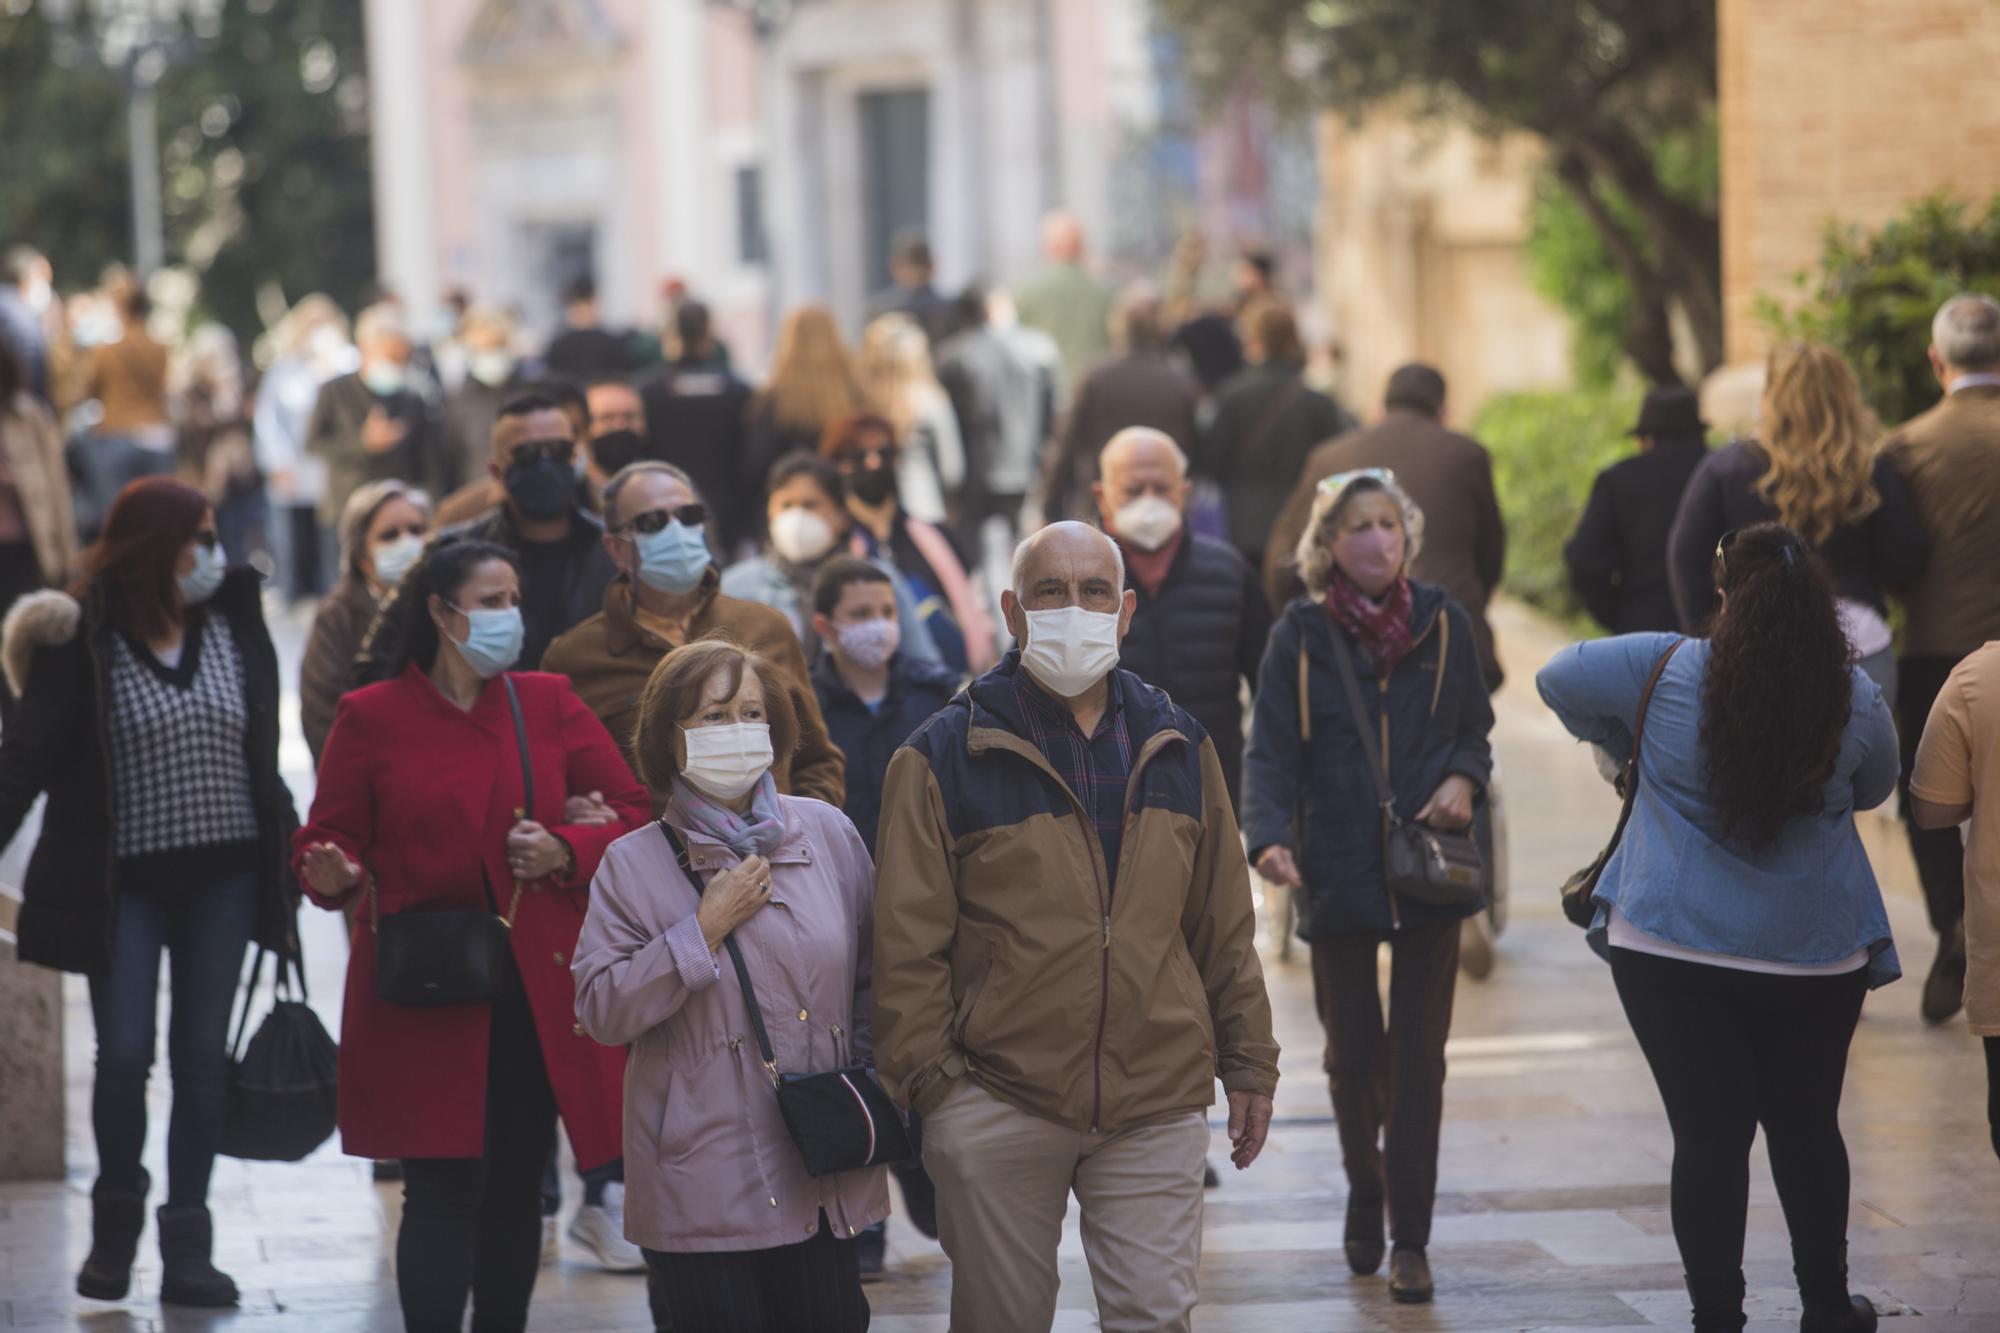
{"x": 737, "y": 1235}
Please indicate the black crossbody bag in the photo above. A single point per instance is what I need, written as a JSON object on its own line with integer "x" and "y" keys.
{"x": 452, "y": 955}
{"x": 840, "y": 1120}
{"x": 1444, "y": 868}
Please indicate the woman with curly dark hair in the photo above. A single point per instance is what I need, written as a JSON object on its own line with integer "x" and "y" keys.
{"x": 1739, "y": 913}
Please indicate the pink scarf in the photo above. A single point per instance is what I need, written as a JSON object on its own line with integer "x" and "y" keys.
{"x": 1382, "y": 628}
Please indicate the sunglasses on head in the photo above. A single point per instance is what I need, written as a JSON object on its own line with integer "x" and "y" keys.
{"x": 1786, "y": 548}
{"x": 531, "y": 451}
{"x": 1340, "y": 481}
{"x": 650, "y": 522}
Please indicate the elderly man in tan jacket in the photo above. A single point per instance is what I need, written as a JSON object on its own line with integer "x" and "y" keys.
{"x": 1065, "y": 960}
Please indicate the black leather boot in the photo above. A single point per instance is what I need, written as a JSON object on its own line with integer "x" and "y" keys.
{"x": 187, "y": 1238}
{"x": 1823, "y": 1289}
{"x": 1718, "y": 1303}
{"x": 1410, "y": 1277}
{"x": 1365, "y": 1246}
{"x": 117, "y": 1216}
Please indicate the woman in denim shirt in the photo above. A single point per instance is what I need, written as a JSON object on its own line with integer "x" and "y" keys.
{"x": 1740, "y": 916}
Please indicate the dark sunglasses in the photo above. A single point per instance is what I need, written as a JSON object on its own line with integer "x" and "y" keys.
{"x": 650, "y": 522}
{"x": 532, "y": 451}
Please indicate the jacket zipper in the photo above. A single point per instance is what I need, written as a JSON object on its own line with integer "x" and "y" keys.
{"x": 1105, "y": 890}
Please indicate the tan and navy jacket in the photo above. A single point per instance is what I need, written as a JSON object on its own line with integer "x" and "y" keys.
{"x": 1005, "y": 949}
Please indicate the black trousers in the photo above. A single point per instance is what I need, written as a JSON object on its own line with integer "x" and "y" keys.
{"x": 1731, "y": 1050}
{"x": 811, "y": 1287}
{"x": 1939, "y": 855}
{"x": 1388, "y": 1080}
{"x": 474, "y": 1224}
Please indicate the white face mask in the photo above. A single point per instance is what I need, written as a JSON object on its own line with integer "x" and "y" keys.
{"x": 490, "y": 367}
{"x": 726, "y": 761}
{"x": 1071, "y": 649}
{"x": 393, "y": 559}
{"x": 1148, "y": 522}
{"x": 800, "y": 536}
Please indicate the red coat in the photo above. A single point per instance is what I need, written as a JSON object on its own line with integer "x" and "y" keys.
{"x": 420, "y": 793}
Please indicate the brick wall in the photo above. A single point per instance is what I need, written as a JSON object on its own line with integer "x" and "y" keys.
{"x": 1844, "y": 109}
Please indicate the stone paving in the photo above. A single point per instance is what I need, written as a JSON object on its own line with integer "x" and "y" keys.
{"x": 1552, "y": 1212}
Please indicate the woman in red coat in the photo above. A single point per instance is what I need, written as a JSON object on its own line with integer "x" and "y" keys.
{"x": 419, "y": 808}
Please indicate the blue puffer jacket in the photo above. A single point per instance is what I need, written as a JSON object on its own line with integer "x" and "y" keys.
{"x": 1306, "y": 783}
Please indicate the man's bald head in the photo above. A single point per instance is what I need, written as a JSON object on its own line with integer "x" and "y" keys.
{"x": 1062, "y": 237}
{"x": 1071, "y": 553}
{"x": 1138, "y": 463}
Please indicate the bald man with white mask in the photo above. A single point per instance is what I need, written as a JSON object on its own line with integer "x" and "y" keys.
{"x": 1065, "y": 960}
{"x": 1200, "y": 620}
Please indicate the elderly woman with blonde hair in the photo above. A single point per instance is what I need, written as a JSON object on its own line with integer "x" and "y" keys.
{"x": 737, "y": 1233}
{"x": 1371, "y": 663}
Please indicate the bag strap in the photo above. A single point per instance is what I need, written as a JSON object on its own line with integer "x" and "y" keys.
{"x": 1628, "y": 776}
{"x": 1385, "y": 797}
{"x": 521, "y": 739}
{"x": 735, "y": 955}
{"x": 277, "y": 987}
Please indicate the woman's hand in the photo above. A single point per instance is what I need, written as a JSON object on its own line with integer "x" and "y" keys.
{"x": 1276, "y": 864}
{"x": 589, "y": 811}
{"x": 535, "y": 853}
{"x": 733, "y": 897}
{"x": 1450, "y": 806}
{"x": 328, "y": 872}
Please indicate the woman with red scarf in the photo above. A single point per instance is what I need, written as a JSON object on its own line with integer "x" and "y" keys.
{"x": 1310, "y": 816}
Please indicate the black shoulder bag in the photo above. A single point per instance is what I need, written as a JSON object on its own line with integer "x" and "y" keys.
{"x": 840, "y": 1120}
{"x": 283, "y": 1093}
{"x": 1579, "y": 891}
{"x": 1423, "y": 863}
{"x": 452, "y": 955}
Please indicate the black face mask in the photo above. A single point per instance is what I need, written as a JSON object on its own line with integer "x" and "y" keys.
{"x": 616, "y": 449}
{"x": 873, "y": 485}
{"x": 543, "y": 489}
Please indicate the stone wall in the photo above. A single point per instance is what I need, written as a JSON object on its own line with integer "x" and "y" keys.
{"x": 31, "y": 1069}
{"x": 1845, "y": 110}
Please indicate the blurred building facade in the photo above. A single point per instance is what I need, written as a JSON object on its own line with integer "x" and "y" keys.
{"x": 1420, "y": 236}
{"x": 1846, "y": 112}
{"x": 522, "y": 143}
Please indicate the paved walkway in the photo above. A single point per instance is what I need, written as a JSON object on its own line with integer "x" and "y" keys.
{"x": 1553, "y": 1178}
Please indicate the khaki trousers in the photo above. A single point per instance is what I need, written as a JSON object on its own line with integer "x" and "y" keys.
{"x": 1004, "y": 1178}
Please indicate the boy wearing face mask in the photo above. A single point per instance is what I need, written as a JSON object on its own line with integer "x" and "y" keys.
{"x": 1199, "y": 630}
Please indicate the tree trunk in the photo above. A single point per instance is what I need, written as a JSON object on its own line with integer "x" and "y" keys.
{"x": 1648, "y": 337}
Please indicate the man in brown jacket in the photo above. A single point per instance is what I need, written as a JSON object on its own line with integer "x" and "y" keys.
{"x": 1065, "y": 960}
{"x": 1949, "y": 457}
{"x": 666, "y": 595}
{"x": 1449, "y": 475}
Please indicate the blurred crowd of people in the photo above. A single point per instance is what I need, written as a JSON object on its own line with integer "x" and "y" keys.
{"x": 914, "y": 679}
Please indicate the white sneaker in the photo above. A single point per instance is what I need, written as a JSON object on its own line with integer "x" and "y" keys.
{"x": 551, "y": 1243}
{"x": 600, "y": 1229}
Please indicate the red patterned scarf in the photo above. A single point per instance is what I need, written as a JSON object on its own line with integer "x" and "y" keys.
{"x": 1382, "y": 628}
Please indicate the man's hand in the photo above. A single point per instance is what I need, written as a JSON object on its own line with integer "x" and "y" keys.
{"x": 381, "y": 432}
{"x": 1249, "y": 1123}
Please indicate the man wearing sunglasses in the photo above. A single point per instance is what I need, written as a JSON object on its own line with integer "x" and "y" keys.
{"x": 542, "y": 519}
{"x": 666, "y": 593}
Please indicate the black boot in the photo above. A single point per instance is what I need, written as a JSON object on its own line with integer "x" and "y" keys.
{"x": 1364, "y": 1234}
{"x": 1410, "y": 1277}
{"x": 1718, "y": 1303}
{"x": 187, "y": 1237}
{"x": 1828, "y": 1306}
{"x": 116, "y": 1218}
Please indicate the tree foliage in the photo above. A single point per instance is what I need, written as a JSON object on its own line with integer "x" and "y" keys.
{"x": 1874, "y": 293}
{"x": 1601, "y": 82}
{"x": 263, "y": 148}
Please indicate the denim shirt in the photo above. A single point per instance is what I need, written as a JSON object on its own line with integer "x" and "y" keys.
{"x": 1809, "y": 897}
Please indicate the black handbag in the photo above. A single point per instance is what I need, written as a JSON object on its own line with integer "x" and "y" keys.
{"x": 452, "y": 955}
{"x": 1429, "y": 865}
{"x": 283, "y": 1091}
{"x": 841, "y": 1119}
{"x": 1579, "y": 891}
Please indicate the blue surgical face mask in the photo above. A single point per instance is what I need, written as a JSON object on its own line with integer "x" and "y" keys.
{"x": 393, "y": 559}
{"x": 385, "y": 379}
{"x": 199, "y": 584}
{"x": 492, "y": 640}
{"x": 675, "y": 559}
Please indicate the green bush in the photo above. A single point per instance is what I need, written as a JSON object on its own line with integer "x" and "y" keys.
{"x": 1873, "y": 295}
{"x": 1547, "y": 450}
